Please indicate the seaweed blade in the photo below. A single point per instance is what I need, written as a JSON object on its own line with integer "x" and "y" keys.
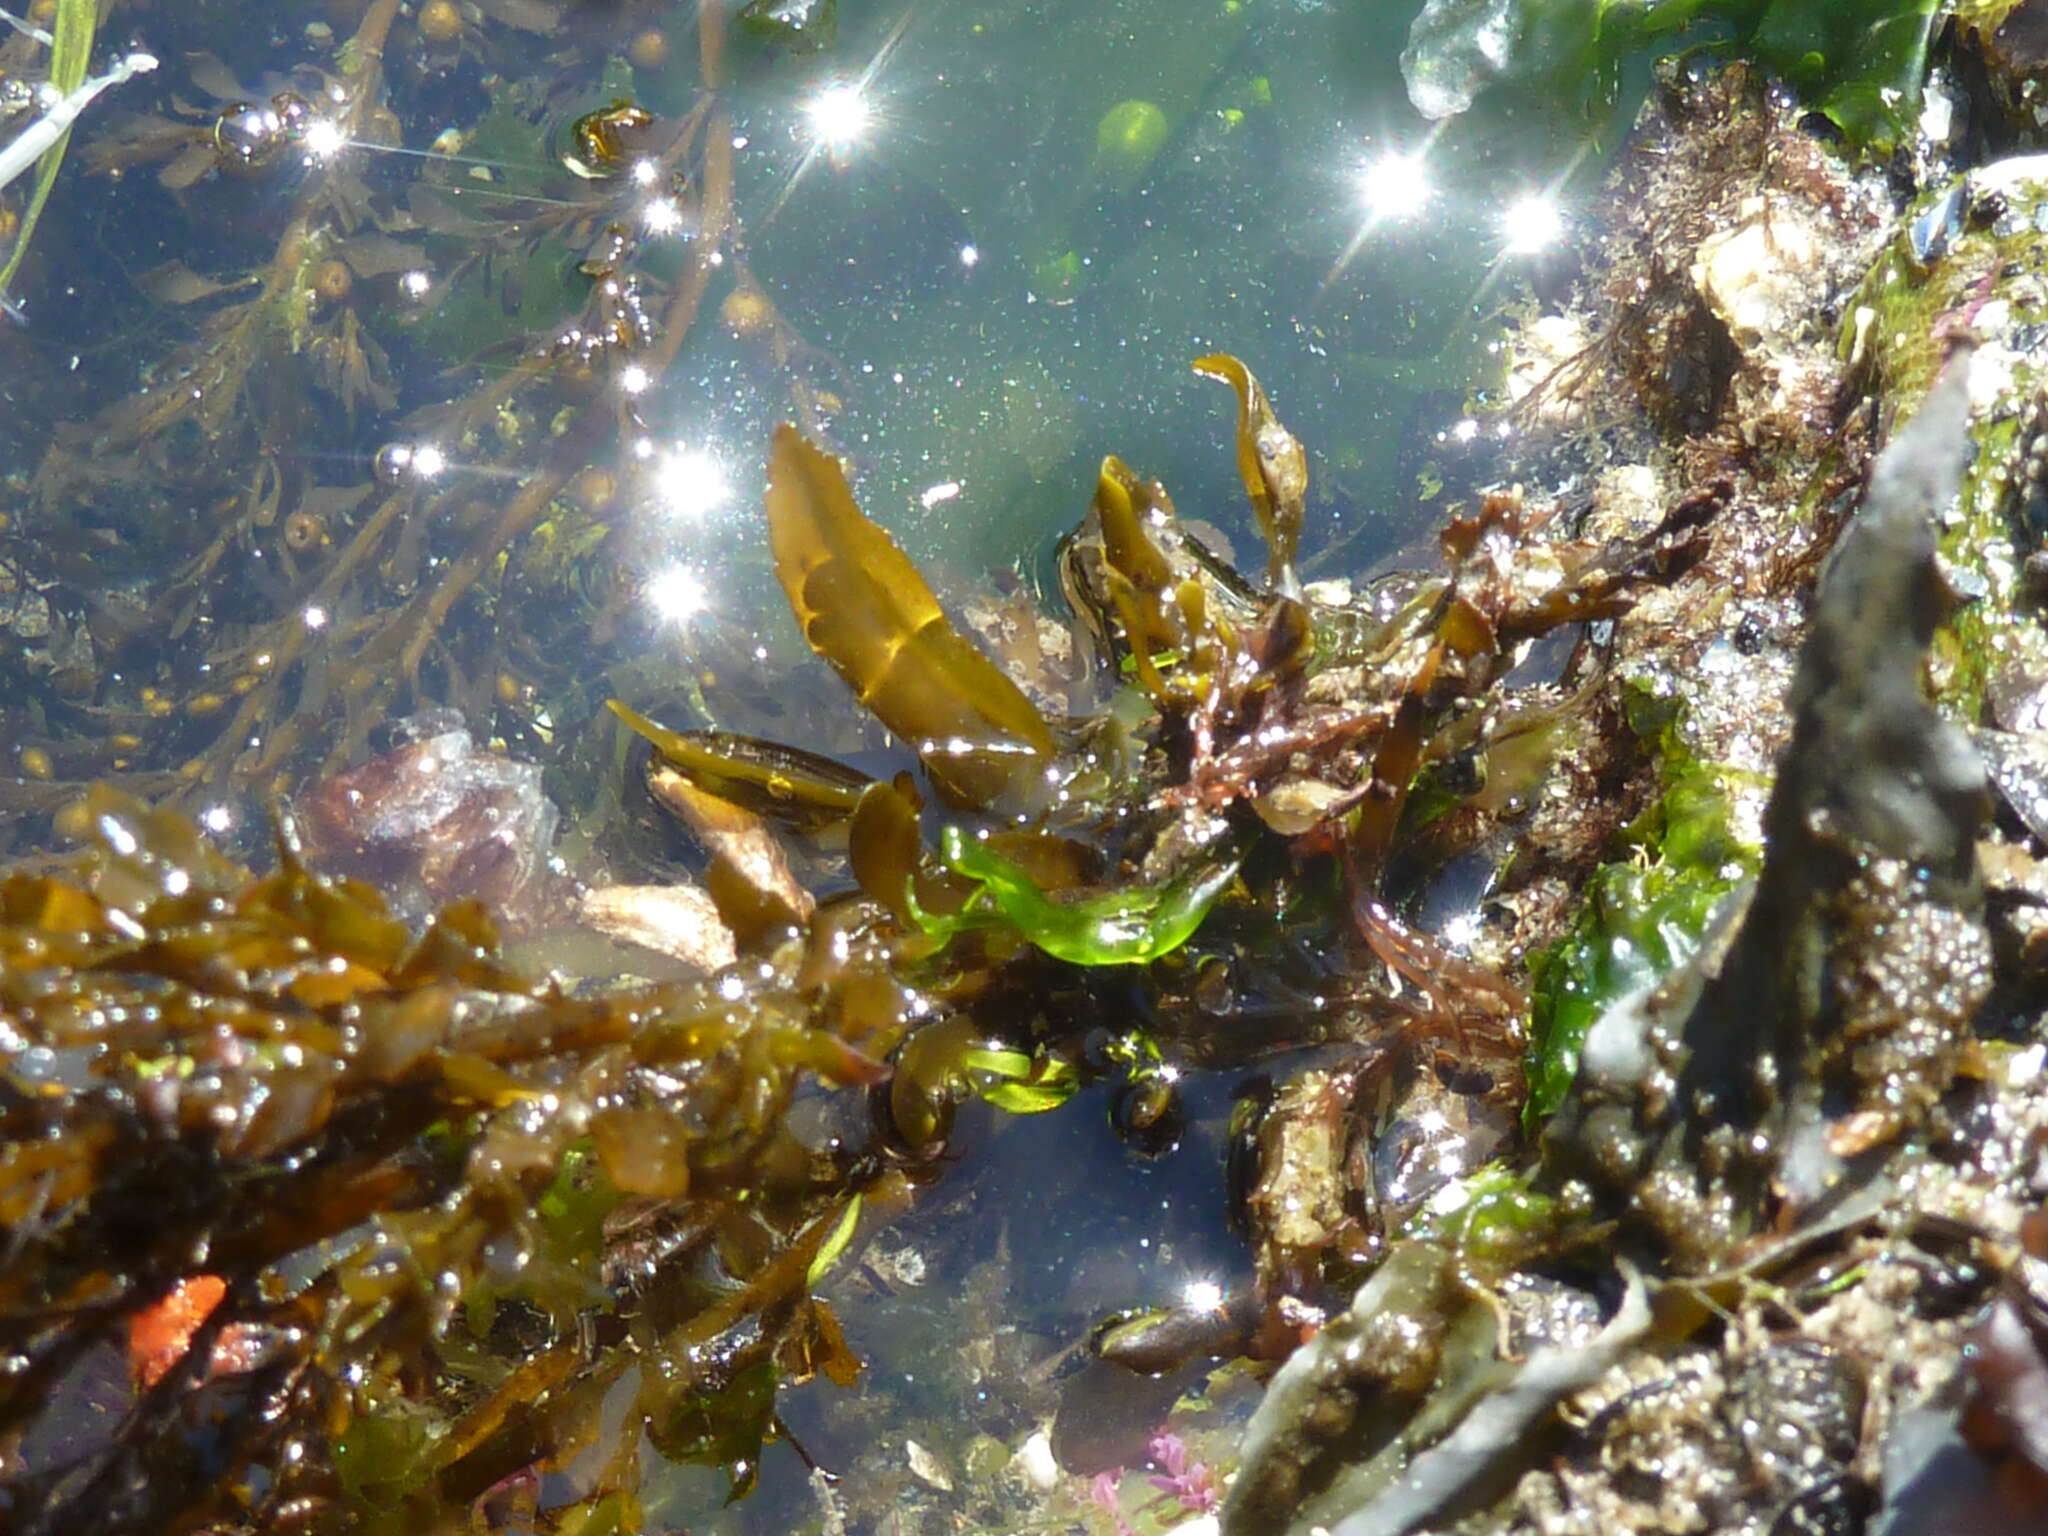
{"x": 865, "y": 609}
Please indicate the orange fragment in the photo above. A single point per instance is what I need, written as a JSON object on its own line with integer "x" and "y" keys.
{"x": 159, "y": 1335}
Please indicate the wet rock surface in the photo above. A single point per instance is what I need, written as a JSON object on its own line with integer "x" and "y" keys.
{"x": 1833, "y": 1017}
{"x": 1815, "y": 1135}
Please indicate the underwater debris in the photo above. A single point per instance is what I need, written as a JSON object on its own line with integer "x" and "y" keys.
{"x": 40, "y": 136}
{"x": 432, "y": 821}
{"x": 43, "y": 139}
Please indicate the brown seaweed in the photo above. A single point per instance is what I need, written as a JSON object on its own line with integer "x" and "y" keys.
{"x": 864, "y": 608}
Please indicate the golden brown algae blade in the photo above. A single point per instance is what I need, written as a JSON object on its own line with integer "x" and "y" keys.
{"x": 865, "y": 609}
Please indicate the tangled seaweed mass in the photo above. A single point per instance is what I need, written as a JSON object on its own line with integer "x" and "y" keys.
{"x": 1599, "y": 965}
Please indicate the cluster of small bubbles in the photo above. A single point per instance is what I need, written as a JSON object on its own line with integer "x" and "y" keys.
{"x": 617, "y": 320}
{"x": 612, "y": 249}
{"x": 16, "y": 95}
{"x": 398, "y": 464}
{"x": 621, "y": 324}
{"x": 249, "y": 138}
{"x": 597, "y": 144}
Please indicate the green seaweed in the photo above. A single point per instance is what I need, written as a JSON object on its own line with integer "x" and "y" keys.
{"x": 1862, "y": 65}
{"x": 1120, "y": 927}
{"x": 1022, "y": 1084}
{"x": 1896, "y": 331}
{"x": 724, "y": 1427}
{"x": 834, "y": 1246}
{"x": 1641, "y": 916}
{"x": 1493, "y": 1217}
{"x": 801, "y": 26}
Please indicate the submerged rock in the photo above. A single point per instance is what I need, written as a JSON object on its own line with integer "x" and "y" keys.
{"x": 433, "y": 820}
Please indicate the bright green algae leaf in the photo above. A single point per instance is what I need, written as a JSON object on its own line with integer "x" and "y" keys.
{"x": 834, "y": 1246}
{"x": 1638, "y": 921}
{"x": 1022, "y": 1084}
{"x": 1641, "y": 917}
{"x": 1491, "y": 1217}
{"x": 1862, "y": 65}
{"x": 1124, "y": 927}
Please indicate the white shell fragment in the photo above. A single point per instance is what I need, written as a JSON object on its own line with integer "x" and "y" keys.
{"x": 927, "y": 1467}
{"x": 679, "y": 921}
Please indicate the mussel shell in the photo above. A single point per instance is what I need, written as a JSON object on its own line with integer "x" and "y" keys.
{"x": 1155, "y": 1340}
{"x": 1148, "y": 1116}
{"x": 1937, "y": 225}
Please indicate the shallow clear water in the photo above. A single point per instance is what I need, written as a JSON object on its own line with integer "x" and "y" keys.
{"x": 1000, "y": 260}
